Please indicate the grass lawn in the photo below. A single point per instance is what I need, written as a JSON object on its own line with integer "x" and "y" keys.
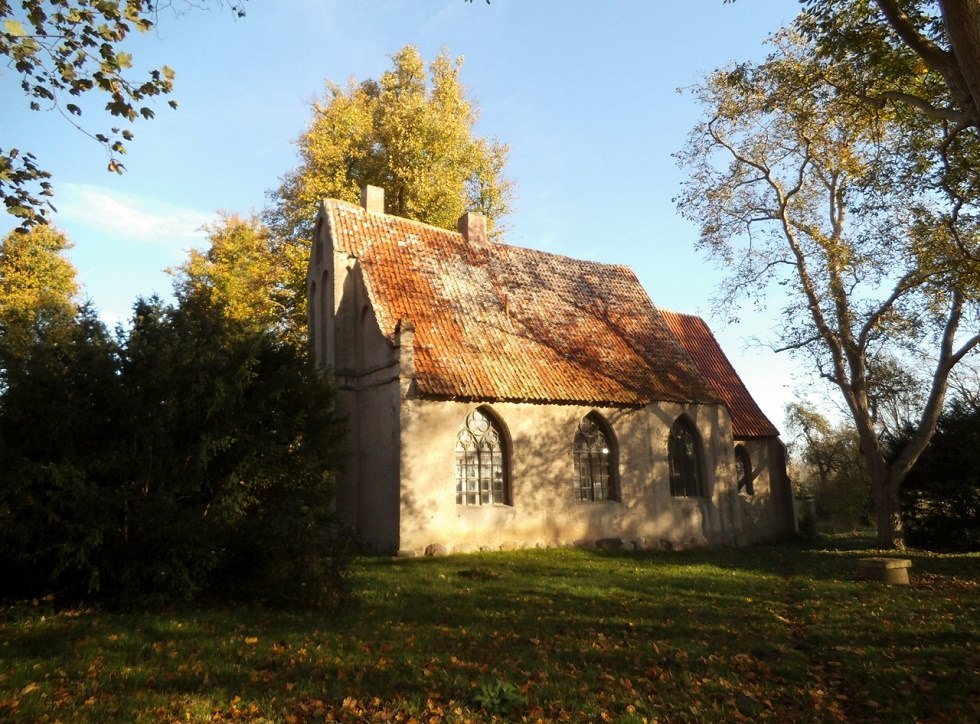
{"x": 786, "y": 633}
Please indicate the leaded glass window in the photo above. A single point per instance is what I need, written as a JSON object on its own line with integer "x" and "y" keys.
{"x": 592, "y": 455}
{"x": 480, "y": 463}
{"x": 686, "y": 468}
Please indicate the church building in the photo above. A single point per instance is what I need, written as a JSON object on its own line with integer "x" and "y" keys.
{"x": 501, "y": 397}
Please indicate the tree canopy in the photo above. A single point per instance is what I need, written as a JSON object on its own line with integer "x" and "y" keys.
{"x": 411, "y": 133}
{"x": 186, "y": 454}
{"x": 801, "y": 188}
{"x": 941, "y": 496}
{"x": 922, "y": 55}
{"x": 64, "y": 50}
{"x": 38, "y": 289}
{"x": 194, "y": 451}
{"x": 246, "y": 275}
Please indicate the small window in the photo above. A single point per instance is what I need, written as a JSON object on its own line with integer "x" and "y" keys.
{"x": 312, "y": 319}
{"x": 480, "y": 462}
{"x": 686, "y": 466}
{"x": 318, "y": 235}
{"x": 593, "y": 456}
{"x": 743, "y": 471}
{"x": 324, "y": 313}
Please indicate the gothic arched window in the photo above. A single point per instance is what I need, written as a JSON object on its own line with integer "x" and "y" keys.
{"x": 686, "y": 466}
{"x": 743, "y": 471}
{"x": 481, "y": 461}
{"x": 594, "y": 459}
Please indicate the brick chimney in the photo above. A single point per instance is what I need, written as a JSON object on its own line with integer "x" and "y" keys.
{"x": 373, "y": 199}
{"x": 473, "y": 227}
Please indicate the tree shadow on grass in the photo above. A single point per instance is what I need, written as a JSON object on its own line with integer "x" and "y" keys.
{"x": 564, "y": 626}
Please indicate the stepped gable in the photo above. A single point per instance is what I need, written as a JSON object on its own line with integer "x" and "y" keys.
{"x": 494, "y": 322}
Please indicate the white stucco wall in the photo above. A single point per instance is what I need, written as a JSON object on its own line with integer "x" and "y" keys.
{"x": 398, "y": 488}
{"x": 767, "y": 514}
{"x": 544, "y": 509}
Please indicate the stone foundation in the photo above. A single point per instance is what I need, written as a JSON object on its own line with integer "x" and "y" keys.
{"x": 436, "y": 550}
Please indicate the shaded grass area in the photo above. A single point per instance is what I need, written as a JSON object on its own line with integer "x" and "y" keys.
{"x": 784, "y": 633}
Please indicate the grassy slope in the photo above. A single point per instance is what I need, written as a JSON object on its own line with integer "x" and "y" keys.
{"x": 784, "y": 633}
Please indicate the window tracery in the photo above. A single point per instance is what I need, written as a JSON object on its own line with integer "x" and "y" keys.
{"x": 686, "y": 466}
{"x": 593, "y": 459}
{"x": 480, "y": 462}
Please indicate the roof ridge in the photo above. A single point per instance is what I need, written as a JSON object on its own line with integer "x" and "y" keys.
{"x": 395, "y": 219}
{"x": 498, "y": 321}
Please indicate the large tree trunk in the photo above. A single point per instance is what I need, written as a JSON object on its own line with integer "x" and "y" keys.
{"x": 962, "y": 19}
{"x": 960, "y": 65}
{"x": 888, "y": 512}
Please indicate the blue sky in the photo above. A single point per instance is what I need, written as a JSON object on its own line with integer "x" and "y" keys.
{"x": 584, "y": 92}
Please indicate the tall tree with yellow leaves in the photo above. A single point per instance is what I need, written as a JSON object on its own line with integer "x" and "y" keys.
{"x": 409, "y": 132}
{"x": 247, "y": 277}
{"x": 37, "y": 289}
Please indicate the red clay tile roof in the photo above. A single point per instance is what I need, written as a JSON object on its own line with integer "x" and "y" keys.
{"x": 747, "y": 419}
{"x": 498, "y": 322}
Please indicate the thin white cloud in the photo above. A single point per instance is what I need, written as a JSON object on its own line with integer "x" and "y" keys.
{"x": 129, "y": 217}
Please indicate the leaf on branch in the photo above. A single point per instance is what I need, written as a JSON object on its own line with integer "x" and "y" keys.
{"x": 15, "y": 28}
{"x": 72, "y": 47}
{"x": 119, "y": 107}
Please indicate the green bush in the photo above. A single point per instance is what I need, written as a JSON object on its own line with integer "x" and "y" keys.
{"x": 151, "y": 463}
{"x": 941, "y": 495}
